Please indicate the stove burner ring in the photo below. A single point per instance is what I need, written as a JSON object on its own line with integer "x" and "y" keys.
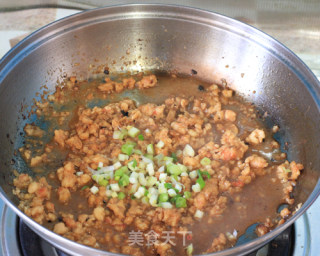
{"x": 32, "y": 244}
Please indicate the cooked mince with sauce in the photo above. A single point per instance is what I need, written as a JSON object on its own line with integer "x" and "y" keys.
{"x": 147, "y": 165}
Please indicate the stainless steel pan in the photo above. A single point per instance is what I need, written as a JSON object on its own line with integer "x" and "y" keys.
{"x": 164, "y": 38}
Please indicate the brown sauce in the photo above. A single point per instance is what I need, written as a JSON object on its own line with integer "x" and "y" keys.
{"x": 256, "y": 202}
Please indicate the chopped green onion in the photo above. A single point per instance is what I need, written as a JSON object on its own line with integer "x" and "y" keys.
{"x": 168, "y": 185}
{"x": 162, "y": 189}
{"x": 172, "y": 192}
{"x": 205, "y": 161}
{"x": 133, "y": 197}
{"x": 117, "y": 135}
{"x": 160, "y": 144}
{"x": 114, "y": 194}
{"x": 121, "y": 195}
{"x": 151, "y": 181}
{"x": 84, "y": 187}
{"x": 173, "y": 169}
{"x": 132, "y": 165}
{"x": 115, "y": 187}
{"x": 174, "y": 199}
{"x": 193, "y": 174}
{"x": 166, "y": 205}
{"x": 196, "y": 187}
{"x": 205, "y": 173}
{"x": 145, "y": 200}
{"x": 150, "y": 169}
{"x": 124, "y": 132}
{"x": 187, "y": 194}
{"x": 133, "y": 132}
{"x": 121, "y": 171}
{"x": 94, "y": 190}
{"x": 188, "y": 151}
{"x": 124, "y": 181}
{"x": 199, "y": 214}
{"x": 159, "y": 159}
{"x": 181, "y": 202}
{"x": 183, "y": 167}
{"x": 103, "y": 182}
{"x": 140, "y": 192}
{"x": 140, "y": 137}
{"x": 190, "y": 250}
{"x": 168, "y": 159}
{"x": 150, "y": 149}
{"x": 123, "y": 157}
{"x": 200, "y": 180}
{"x": 149, "y": 156}
{"x": 163, "y": 177}
{"x": 127, "y": 149}
{"x": 137, "y": 151}
{"x": 146, "y": 192}
{"x": 174, "y": 156}
{"x": 117, "y": 165}
{"x": 164, "y": 197}
{"x": 153, "y": 199}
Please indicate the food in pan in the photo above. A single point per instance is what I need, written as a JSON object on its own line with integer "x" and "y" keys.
{"x": 152, "y": 165}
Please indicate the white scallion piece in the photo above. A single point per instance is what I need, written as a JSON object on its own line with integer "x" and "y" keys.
{"x": 108, "y": 193}
{"x": 198, "y": 214}
{"x": 178, "y": 186}
{"x": 166, "y": 205}
{"x": 140, "y": 192}
{"x": 193, "y": 174}
{"x": 151, "y": 181}
{"x": 142, "y": 179}
{"x": 115, "y": 187}
{"x": 196, "y": 188}
{"x": 163, "y": 177}
{"x": 188, "y": 151}
{"x": 150, "y": 169}
{"x": 235, "y": 233}
{"x": 133, "y": 179}
{"x": 133, "y": 132}
{"x": 117, "y": 165}
{"x": 190, "y": 249}
{"x": 146, "y": 159}
{"x": 123, "y": 157}
{"x": 160, "y": 144}
{"x": 153, "y": 200}
{"x": 153, "y": 191}
{"x": 94, "y": 190}
{"x": 79, "y": 173}
{"x": 161, "y": 169}
{"x": 172, "y": 192}
{"x": 162, "y": 189}
{"x": 117, "y": 135}
{"x": 100, "y": 164}
{"x": 114, "y": 194}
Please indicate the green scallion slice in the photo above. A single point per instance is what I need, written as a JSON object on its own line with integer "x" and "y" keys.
{"x": 181, "y": 202}
{"x": 121, "y": 195}
{"x": 164, "y": 197}
{"x": 127, "y": 148}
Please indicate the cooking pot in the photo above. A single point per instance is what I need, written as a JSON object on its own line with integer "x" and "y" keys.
{"x": 163, "y": 37}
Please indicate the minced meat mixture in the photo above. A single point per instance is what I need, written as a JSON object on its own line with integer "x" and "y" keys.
{"x": 170, "y": 178}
